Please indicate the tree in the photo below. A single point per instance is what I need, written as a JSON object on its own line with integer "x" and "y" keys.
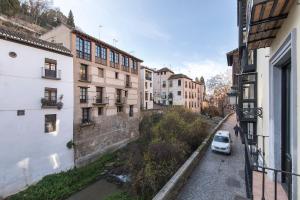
{"x": 9, "y": 7}
{"x": 70, "y": 21}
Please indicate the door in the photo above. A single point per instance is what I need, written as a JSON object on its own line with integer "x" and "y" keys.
{"x": 285, "y": 124}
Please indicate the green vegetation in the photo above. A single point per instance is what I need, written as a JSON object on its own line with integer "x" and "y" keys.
{"x": 62, "y": 185}
{"x": 70, "y": 20}
{"x": 166, "y": 142}
{"x": 9, "y": 7}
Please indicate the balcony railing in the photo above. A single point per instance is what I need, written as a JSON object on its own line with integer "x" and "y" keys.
{"x": 87, "y": 122}
{"x": 82, "y": 55}
{"x": 126, "y": 69}
{"x": 84, "y": 100}
{"x": 114, "y": 65}
{"x": 46, "y": 103}
{"x": 101, "y": 101}
{"x": 85, "y": 78}
{"x": 255, "y": 174}
{"x": 134, "y": 71}
{"x": 128, "y": 84}
{"x": 51, "y": 74}
{"x": 100, "y": 60}
{"x": 121, "y": 100}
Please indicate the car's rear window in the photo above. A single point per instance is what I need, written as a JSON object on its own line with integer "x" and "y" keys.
{"x": 219, "y": 138}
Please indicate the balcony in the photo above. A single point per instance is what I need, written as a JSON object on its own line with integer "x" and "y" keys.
{"x": 87, "y": 122}
{"x": 124, "y": 68}
{"x": 100, "y": 61}
{"x": 51, "y": 74}
{"x": 82, "y": 55}
{"x": 98, "y": 101}
{"x": 263, "y": 182}
{"x": 128, "y": 84}
{"x": 114, "y": 65}
{"x": 84, "y": 100}
{"x": 134, "y": 71}
{"x": 149, "y": 78}
{"x": 46, "y": 103}
{"x": 121, "y": 100}
{"x": 85, "y": 78}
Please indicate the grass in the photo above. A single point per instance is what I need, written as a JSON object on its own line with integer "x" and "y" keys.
{"x": 61, "y": 185}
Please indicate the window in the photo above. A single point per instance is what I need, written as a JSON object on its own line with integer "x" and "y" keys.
{"x": 189, "y": 84}
{"x": 170, "y": 83}
{"x": 83, "y": 48}
{"x": 99, "y": 95}
{"x": 185, "y": 84}
{"x": 114, "y": 57}
{"x": 185, "y": 95}
{"x": 50, "y": 68}
{"x": 179, "y": 93}
{"x": 146, "y": 85}
{"x": 165, "y": 73}
{"x": 179, "y": 82}
{"x": 86, "y": 115}
{"x": 100, "y": 111}
{"x": 131, "y": 111}
{"x": 119, "y": 95}
{"x": 50, "y": 123}
{"x": 116, "y": 75}
{"x": 126, "y": 62}
{"x": 164, "y": 84}
{"x": 126, "y": 93}
{"x": 151, "y": 85}
{"x": 119, "y": 109}
{"x": 83, "y": 95}
{"x": 151, "y": 98}
{"x": 146, "y": 96}
{"x": 20, "y": 112}
{"x": 50, "y": 97}
{"x": 83, "y": 72}
{"x": 101, "y": 52}
{"x": 101, "y": 72}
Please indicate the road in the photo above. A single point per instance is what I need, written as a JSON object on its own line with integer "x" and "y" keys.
{"x": 218, "y": 177}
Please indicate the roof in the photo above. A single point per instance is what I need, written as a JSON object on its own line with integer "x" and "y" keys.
{"x": 265, "y": 20}
{"x": 32, "y": 41}
{"x": 230, "y": 56}
{"x": 165, "y": 69}
{"x": 77, "y": 31}
{"x": 177, "y": 76}
{"x": 145, "y": 67}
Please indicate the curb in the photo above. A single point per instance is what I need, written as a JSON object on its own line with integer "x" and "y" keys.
{"x": 173, "y": 186}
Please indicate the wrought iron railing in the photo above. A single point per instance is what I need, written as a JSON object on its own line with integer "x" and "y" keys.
{"x": 51, "y": 74}
{"x": 101, "y": 100}
{"x": 252, "y": 155}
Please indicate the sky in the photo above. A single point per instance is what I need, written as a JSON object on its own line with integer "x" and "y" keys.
{"x": 188, "y": 36}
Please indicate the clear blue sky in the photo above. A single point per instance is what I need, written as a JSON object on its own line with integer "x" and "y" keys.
{"x": 191, "y": 36}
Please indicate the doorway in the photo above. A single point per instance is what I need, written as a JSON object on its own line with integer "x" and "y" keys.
{"x": 286, "y": 158}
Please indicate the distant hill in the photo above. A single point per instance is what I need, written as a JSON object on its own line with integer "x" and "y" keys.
{"x": 33, "y": 17}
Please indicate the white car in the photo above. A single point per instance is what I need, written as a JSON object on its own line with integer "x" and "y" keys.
{"x": 222, "y": 142}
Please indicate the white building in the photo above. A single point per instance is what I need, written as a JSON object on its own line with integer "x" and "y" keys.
{"x": 146, "y": 87}
{"x": 36, "y": 110}
{"x": 161, "y": 86}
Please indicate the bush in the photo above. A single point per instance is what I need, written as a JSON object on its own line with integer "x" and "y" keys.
{"x": 166, "y": 141}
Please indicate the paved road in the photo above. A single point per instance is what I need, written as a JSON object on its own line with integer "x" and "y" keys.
{"x": 218, "y": 177}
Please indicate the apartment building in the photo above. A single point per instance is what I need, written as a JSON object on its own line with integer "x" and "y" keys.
{"x": 268, "y": 96}
{"x": 161, "y": 86}
{"x": 106, "y": 88}
{"x": 177, "y": 89}
{"x": 146, "y": 87}
{"x": 36, "y": 110}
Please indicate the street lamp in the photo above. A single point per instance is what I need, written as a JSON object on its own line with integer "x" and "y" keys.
{"x": 233, "y": 95}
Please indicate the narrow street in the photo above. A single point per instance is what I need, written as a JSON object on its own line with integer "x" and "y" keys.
{"x": 218, "y": 177}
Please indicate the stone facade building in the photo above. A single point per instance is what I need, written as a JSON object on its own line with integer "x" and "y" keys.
{"x": 106, "y": 93}
{"x": 146, "y": 88}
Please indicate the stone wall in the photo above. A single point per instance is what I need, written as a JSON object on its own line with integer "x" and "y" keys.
{"x": 107, "y": 134}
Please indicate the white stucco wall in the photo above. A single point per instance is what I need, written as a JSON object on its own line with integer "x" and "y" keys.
{"x": 143, "y": 89}
{"x": 27, "y": 153}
